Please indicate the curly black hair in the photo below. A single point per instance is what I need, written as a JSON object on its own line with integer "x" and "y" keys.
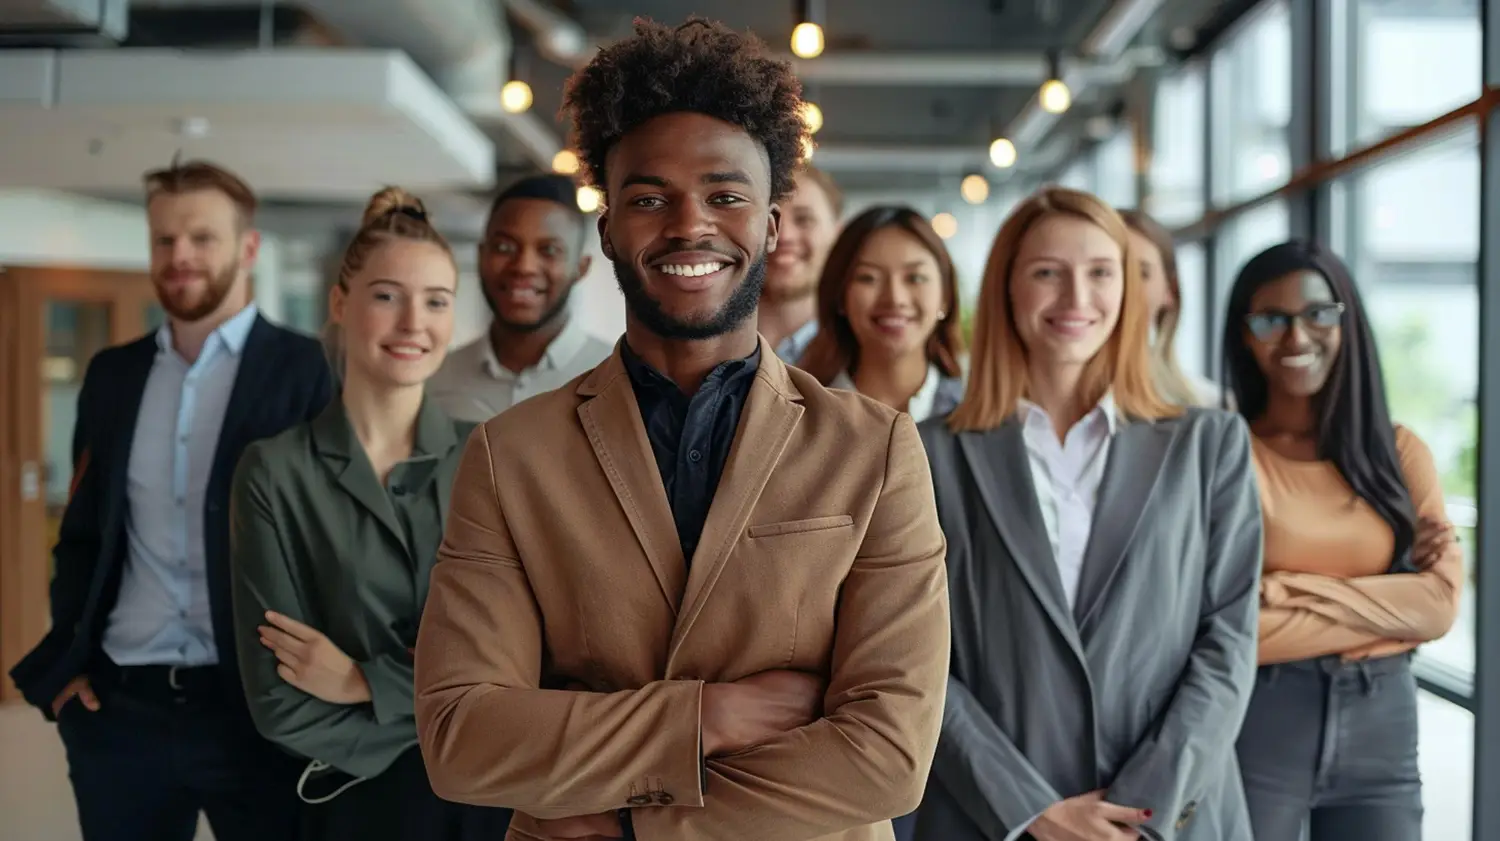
{"x": 701, "y": 66}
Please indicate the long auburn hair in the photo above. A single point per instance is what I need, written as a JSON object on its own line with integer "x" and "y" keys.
{"x": 1173, "y": 383}
{"x": 834, "y": 348}
{"x": 1355, "y": 431}
{"x": 999, "y": 376}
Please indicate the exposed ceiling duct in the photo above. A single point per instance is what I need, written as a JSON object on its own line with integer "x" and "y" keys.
{"x": 32, "y": 21}
{"x": 1107, "y": 41}
{"x": 463, "y": 44}
{"x": 975, "y": 69}
{"x": 297, "y": 123}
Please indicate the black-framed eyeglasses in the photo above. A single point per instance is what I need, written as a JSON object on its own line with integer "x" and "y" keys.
{"x": 1268, "y": 325}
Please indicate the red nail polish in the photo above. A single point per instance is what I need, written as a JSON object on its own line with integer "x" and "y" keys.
{"x": 1147, "y": 813}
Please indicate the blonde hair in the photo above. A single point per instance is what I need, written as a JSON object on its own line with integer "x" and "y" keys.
{"x": 1173, "y": 383}
{"x": 391, "y": 214}
{"x": 999, "y": 376}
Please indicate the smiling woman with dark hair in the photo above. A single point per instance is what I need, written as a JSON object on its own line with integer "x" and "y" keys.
{"x": 888, "y": 315}
{"x": 1360, "y": 564}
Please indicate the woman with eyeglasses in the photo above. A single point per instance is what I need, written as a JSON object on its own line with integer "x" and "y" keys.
{"x": 1360, "y": 563}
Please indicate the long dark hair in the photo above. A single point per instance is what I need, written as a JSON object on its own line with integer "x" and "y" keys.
{"x": 834, "y": 348}
{"x": 1354, "y": 423}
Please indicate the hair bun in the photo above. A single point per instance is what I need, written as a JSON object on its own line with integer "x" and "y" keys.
{"x": 393, "y": 200}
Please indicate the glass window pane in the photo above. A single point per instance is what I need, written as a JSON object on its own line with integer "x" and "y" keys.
{"x": 1190, "y": 342}
{"x": 1445, "y": 745}
{"x": 1252, "y": 95}
{"x": 1114, "y": 169}
{"x": 1177, "y": 160}
{"x": 1399, "y": 63}
{"x": 1416, "y": 261}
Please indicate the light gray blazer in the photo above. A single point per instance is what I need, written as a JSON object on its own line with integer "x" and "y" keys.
{"x": 1141, "y": 688}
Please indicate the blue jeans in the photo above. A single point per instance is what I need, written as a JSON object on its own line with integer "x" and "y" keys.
{"x": 1331, "y": 748}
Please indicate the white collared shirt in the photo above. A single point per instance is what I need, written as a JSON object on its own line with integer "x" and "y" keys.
{"x": 920, "y": 405}
{"x": 473, "y": 386}
{"x": 162, "y": 615}
{"x": 1067, "y": 475}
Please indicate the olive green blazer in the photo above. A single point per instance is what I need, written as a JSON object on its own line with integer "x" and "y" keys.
{"x": 314, "y": 535}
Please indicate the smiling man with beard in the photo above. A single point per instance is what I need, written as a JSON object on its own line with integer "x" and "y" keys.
{"x": 694, "y": 594}
{"x": 140, "y": 668}
{"x": 529, "y": 262}
{"x": 789, "y": 301}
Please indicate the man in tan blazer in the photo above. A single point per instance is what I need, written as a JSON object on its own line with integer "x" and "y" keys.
{"x": 693, "y": 594}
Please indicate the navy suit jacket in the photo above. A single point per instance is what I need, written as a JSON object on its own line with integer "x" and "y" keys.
{"x": 283, "y": 379}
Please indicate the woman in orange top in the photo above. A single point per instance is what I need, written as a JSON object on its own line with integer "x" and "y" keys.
{"x": 1360, "y": 563}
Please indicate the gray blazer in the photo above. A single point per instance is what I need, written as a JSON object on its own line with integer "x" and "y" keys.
{"x": 1141, "y": 688}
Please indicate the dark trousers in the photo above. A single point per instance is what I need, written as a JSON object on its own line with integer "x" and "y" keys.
{"x": 905, "y": 827}
{"x": 1332, "y": 747}
{"x": 154, "y": 756}
{"x": 398, "y": 805}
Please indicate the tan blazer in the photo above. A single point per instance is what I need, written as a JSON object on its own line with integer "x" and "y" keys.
{"x": 561, "y": 563}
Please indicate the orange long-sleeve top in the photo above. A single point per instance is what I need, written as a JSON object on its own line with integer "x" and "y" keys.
{"x": 1326, "y": 589}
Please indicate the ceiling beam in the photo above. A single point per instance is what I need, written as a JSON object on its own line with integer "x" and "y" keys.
{"x": 965, "y": 69}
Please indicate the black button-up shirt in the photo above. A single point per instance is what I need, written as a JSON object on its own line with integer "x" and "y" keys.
{"x": 691, "y": 435}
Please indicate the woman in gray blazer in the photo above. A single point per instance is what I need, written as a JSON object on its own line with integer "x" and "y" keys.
{"x": 888, "y": 316}
{"x": 335, "y": 527}
{"x": 1104, "y": 556}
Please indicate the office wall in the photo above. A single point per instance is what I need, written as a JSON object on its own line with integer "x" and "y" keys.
{"x": 51, "y": 228}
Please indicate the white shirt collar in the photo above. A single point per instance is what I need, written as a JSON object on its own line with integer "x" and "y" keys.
{"x": 234, "y": 332}
{"x": 1036, "y": 417}
{"x": 920, "y": 405}
{"x": 568, "y": 342}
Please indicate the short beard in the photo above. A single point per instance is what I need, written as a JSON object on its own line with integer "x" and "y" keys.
{"x": 217, "y": 289}
{"x": 739, "y": 308}
{"x": 777, "y": 295}
{"x": 548, "y": 317}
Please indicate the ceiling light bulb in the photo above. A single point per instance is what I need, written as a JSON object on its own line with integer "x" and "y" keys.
{"x": 589, "y": 199}
{"x": 812, "y": 115}
{"x": 1003, "y": 153}
{"x": 1055, "y": 96}
{"x": 515, "y": 97}
{"x": 565, "y": 162}
{"x": 807, "y": 40}
{"x": 975, "y": 189}
{"x": 808, "y": 147}
{"x": 944, "y": 225}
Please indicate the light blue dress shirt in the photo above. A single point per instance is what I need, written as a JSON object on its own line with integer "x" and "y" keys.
{"x": 791, "y": 348}
{"x": 162, "y": 615}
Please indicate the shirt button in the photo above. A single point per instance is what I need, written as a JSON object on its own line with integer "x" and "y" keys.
{"x": 695, "y": 456}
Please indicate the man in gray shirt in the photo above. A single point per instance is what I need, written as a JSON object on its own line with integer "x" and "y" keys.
{"x": 530, "y": 260}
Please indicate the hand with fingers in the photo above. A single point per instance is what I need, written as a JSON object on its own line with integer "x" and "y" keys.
{"x": 1432, "y": 539}
{"x": 1089, "y": 817}
{"x": 308, "y": 660}
{"x": 80, "y": 688}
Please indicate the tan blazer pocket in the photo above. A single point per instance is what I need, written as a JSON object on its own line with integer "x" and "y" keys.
{"x": 838, "y": 521}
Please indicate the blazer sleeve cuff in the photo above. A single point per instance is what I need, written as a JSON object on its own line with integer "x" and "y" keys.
{"x": 1016, "y": 833}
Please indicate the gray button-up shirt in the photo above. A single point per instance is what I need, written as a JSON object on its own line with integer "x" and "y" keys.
{"x": 473, "y": 386}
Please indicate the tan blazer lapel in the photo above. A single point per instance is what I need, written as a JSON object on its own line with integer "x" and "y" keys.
{"x": 612, "y": 421}
{"x": 771, "y": 412}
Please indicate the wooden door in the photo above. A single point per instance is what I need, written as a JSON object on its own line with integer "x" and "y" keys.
{"x": 52, "y": 322}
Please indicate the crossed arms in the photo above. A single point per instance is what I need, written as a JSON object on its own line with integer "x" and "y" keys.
{"x": 1307, "y": 615}
{"x": 491, "y": 736}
